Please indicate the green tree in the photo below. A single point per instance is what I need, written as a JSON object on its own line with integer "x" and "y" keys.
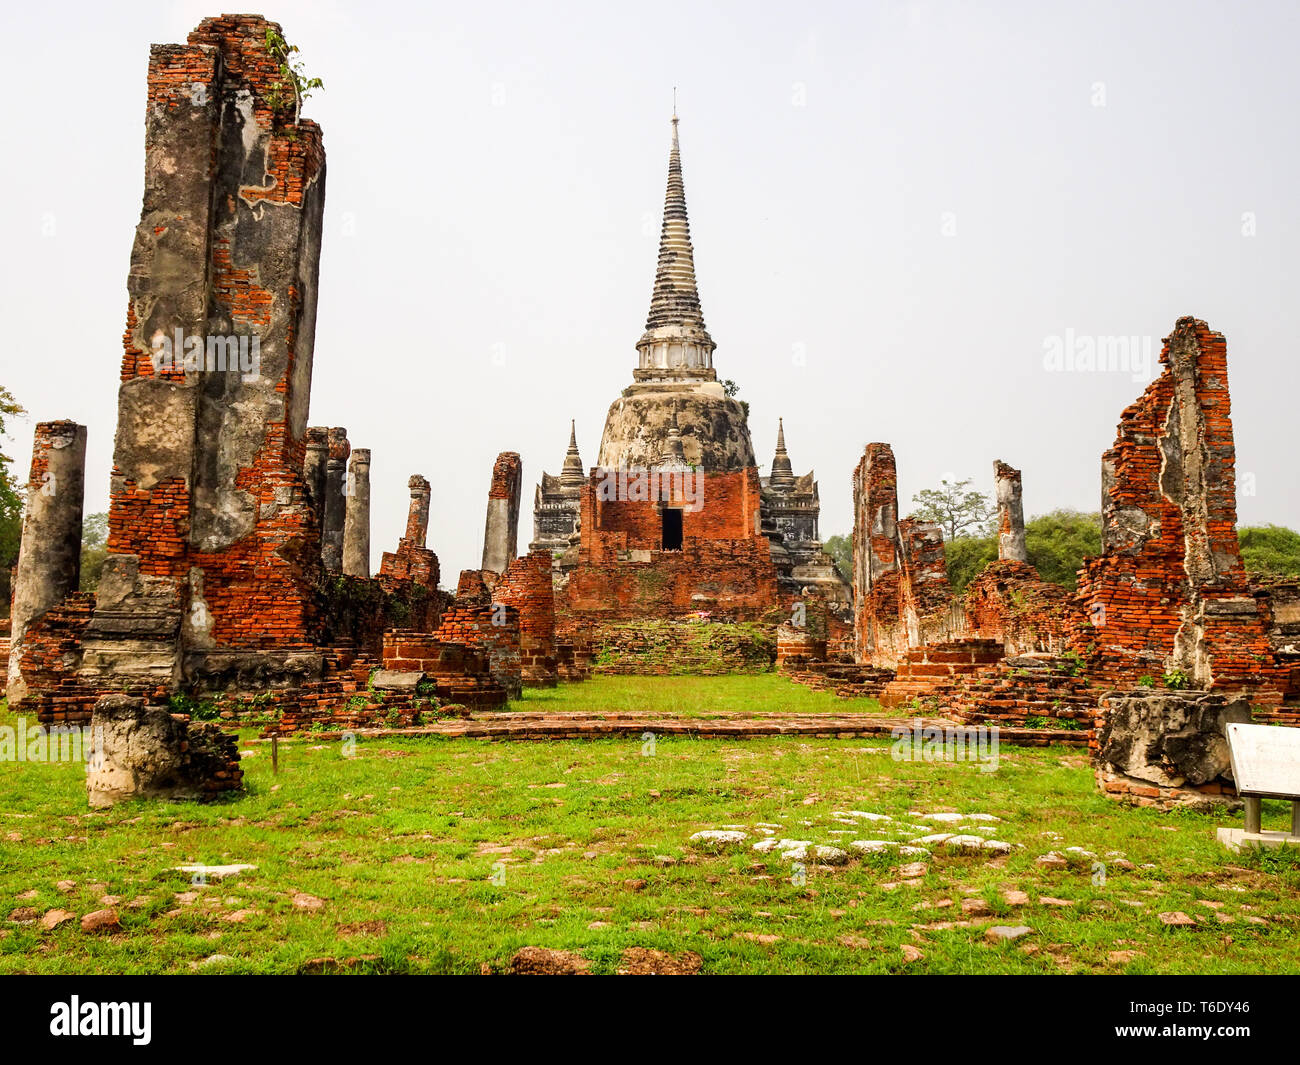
{"x": 967, "y": 556}
{"x": 94, "y": 548}
{"x": 954, "y": 506}
{"x": 731, "y": 388}
{"x": 1270, "y": 549}
{"x": 840, "y": 548}
{"x": 11, "y": 500}
{"x": 1058, "y": 542}
{"x": 293, "y": 73}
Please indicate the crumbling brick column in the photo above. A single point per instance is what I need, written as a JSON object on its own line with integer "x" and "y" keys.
{"x": 417, "y": 518}
{"x": 49, "y": 556}
{"x": 902, "y": 598}
{"x": 412, "y": 560}
{"x": 875, "y": 547}
{"x": 356, "y": 526}
{"x": 336, "y": 501}
{"x": 500, "y": 536}
{"x": 1011, "y": 513}
{"x": 1169, "y": 592}
{"x": 212, "y": 537}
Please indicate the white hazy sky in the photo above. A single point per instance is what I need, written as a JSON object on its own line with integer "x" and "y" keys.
{"x": 895, "y": 207}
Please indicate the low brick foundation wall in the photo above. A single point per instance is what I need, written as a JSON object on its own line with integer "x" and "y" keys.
{"x": 1044, "y": 691}
{"x": 666, "y": 648}
{"x": 929, "y": 672}
{"x": 848, "y": 680}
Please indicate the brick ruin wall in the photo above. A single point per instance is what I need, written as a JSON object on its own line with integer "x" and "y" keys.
{"x": 527, "y": 587}
{"x": 1169, "y": 592}
{"x": 356, "y": 611}
{"x": 902, "y": 597}
{"x": 1167, "y": 595}
{"x": 492, "y": 628}
{"x": 1282, "y": 596}
{"x": 1009, "y": 602}
{"x": 724, "y": 568}
{"x": 462, "y": 672}
{"x": 213, "y": 579}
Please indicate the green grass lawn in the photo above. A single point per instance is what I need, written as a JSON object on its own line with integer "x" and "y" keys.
{"x": 432, "y": 855}
{"x": 741, "y": 693}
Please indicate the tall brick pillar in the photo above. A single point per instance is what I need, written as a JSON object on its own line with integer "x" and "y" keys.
{"x": 1011, "y": 513}
{"x": 209, "y": 517}
{"x": 875, "y": 546}
{"x": 1169, "y": 591}
{"x": 500, "y": 536}
{"x": 356, "y": 525}
{"x": 49, "y": 556}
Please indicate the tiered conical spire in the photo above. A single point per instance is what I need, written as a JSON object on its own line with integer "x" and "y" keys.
{"x": 782, "y": 471}
{"x": 676, "y": 299}
{"x": 572, "y": 472}
{"x": 675, "y": 316}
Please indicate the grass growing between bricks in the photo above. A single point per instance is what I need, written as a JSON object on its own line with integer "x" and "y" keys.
{"x": 743, "y": 693}
{"x": 428, "y": 855}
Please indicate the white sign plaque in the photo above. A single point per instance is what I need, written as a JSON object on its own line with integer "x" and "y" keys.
{"x": 1265, "y": 760}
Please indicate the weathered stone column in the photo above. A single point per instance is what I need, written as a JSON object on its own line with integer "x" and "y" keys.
{"x": 49, "y": 556}
{"x": 500, "y": 535}
{"x": 417, "y": 519}
{"x": 1011, "y": 513}
{"x": 356, "y": 525}
{"x": 314, "y": 470}
{"x": 336, "y": 465}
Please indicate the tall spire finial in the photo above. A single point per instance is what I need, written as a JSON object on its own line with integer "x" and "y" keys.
{"x": 782, "y": 472}
{"x": 571, "y": 473}
{"x": 675, "y": 331}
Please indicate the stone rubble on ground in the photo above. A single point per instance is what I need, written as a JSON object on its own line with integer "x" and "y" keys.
{"x": 719, "y": 838}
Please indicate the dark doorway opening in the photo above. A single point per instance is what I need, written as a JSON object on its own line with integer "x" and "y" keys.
{"x": 672, "y": 538}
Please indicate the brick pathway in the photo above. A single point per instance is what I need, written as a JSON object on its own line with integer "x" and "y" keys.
{"x": 541, "y": 726}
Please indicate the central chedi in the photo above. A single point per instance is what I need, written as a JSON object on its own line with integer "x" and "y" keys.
{"x": 675, "y": 521}
{"x": 675, "y": 374}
